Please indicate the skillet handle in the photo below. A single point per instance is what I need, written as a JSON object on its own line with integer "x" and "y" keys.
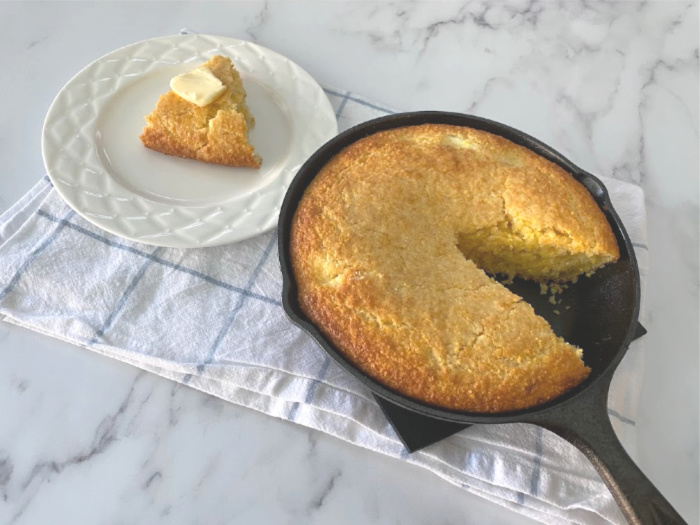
{"x": 585, "y": 424}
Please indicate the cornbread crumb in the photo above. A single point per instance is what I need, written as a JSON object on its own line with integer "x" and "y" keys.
{"x": 556, "y": 288}
{"x": 389, "y": 245}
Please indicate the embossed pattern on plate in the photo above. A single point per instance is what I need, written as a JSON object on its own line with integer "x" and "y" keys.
{"x": 98, "y": 165}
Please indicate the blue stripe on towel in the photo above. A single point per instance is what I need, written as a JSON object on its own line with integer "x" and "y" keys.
{"x": 293, "y": 411}
{"x": 535, "y": 479}
{"x": 311, "y": 392}
{"x": 35, "y": 253}
{"x": 125, "y": 296}
{"x": 620, "y": 417}
{"x": 158, "y": 260}
{"x": 321, "y": 375}
{"x": 341, "y": 107}
{"x": 357, "y": 100}
{"x": 472, "y": 464}
{"x": 221, "y": 284}
{"x": 236, "y": 309}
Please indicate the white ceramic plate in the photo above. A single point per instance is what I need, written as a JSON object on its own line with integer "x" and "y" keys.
{"x": 97, "y": 163}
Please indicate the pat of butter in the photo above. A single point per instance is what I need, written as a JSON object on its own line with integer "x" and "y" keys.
{"x": 199, "y": 86}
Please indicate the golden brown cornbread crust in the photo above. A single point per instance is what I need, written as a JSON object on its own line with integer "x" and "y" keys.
{"x": 216, "y": 133}
{"x": 374, "y": 249}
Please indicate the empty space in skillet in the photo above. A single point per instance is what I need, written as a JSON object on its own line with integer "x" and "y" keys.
{"x": 594, "y": 313}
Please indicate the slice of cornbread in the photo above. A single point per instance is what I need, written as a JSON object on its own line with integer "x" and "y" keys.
{"x": 216, "y": 133}
{"x": 389, "y": 245}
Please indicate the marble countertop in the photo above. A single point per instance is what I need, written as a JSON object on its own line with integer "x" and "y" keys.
{"x": 614, "y": 87}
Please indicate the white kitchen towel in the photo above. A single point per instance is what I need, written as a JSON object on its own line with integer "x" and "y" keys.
{"x": 212, "y": 318}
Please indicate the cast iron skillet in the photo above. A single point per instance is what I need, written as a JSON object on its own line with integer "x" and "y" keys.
{"x": 598, "y": 314}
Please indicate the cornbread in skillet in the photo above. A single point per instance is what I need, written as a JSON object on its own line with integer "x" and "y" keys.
{"x": 216, "y": 133}
{"x": 388, "y": 246}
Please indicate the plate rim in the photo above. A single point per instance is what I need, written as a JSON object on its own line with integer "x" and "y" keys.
{"x": 50, "y": 147}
